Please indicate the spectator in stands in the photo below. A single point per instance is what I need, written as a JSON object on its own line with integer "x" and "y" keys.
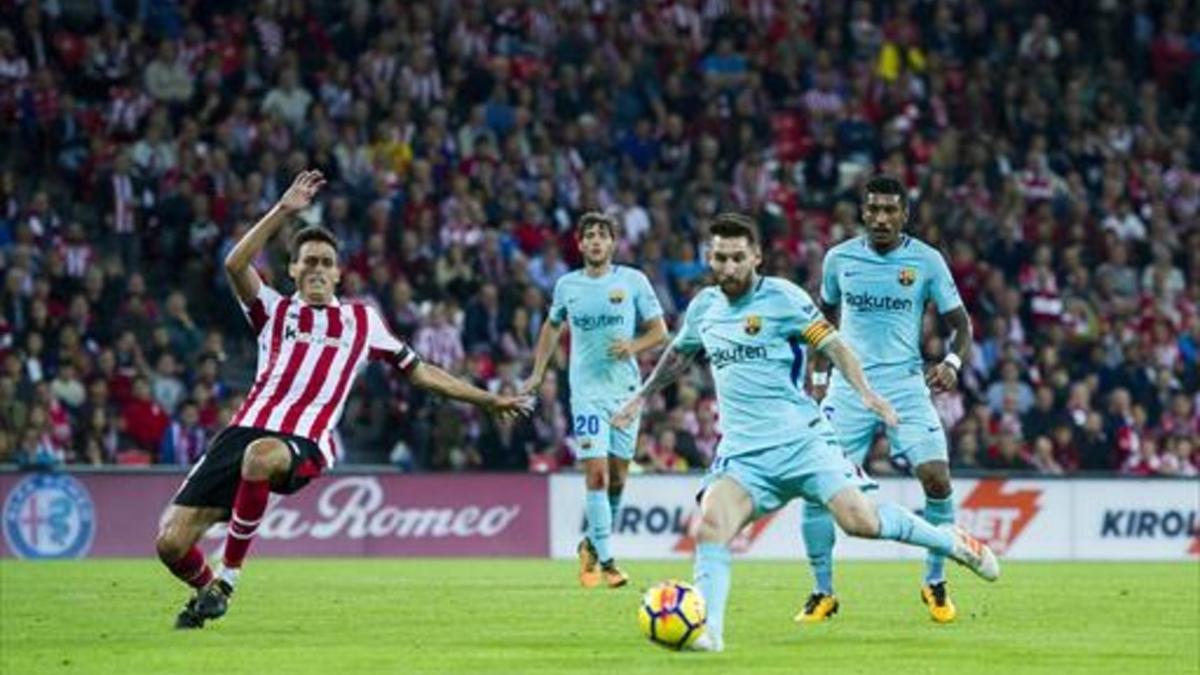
{"x": 288, "y": 99}
{"x": 98, "y": 440}
{"x": 1061, "y": 182}
{"x": 144, "y": 419}
{"x": 1043, "y": 459}
{"x": 166, "y": 387}
{"x": 185, "y": 439}
{"x": 439, "y": 339}
{"x": 1010, "y": 388}
{"x": 167, "y": 77}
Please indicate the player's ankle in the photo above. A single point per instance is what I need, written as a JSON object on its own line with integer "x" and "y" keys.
{"x": 229, "y": 575}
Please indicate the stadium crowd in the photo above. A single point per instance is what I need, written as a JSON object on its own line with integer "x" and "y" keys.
{"x": 1050, "y": 149}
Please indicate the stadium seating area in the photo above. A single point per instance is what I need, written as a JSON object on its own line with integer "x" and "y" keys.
{"x": 1052, "y": 157}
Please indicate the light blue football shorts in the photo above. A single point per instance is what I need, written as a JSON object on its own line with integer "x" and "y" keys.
{"x": 919, "y": 438}
{"x": 812, "y": 467}
{"x": 595, "y": 436}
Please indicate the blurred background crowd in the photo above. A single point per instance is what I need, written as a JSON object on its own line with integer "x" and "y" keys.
{"x": 1050, "y": 148}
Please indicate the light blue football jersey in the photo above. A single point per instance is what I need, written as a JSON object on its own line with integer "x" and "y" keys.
{"x": 601, "y": 310}
{"x": 882, "y": 299}
{"x": 756, "y": 349}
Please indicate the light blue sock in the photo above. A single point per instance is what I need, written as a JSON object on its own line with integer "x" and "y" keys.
{"x": 817, "y": 529}
{"x": 900, "y": 524}
{"x": 599, "y": 520}
{"x": 711, "y": 573}
{"x": 614, "y": 505}
{"x": 937, "y": 512}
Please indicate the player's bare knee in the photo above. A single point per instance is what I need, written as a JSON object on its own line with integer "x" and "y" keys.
{"x": 712, "y": 529}
{"x": 596, "y": 475}
{"x": 935, "y": 479}
{"x": 171, "y": 544}
{"x": 937, "y": 485}
{"x": 856, "y": 525}
{"x": 858, "y": 520}
{"x": 615, "y": 485}
{"x": 937, "y": 488}
{"x": 618, "y": 471}
{"x": 264, "y": 459}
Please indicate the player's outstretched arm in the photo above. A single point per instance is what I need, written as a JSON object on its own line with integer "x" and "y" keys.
{"x": 237, "y": 264}
{"x": 428, "y": 376}
{"x": 673, "y": 363}
{"x": 848, "y": 363}
{"x": 944, "y": 376}
{"x": 546, "y": 344}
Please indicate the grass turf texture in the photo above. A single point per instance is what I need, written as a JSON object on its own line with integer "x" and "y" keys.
{"x": 320, "y": 616}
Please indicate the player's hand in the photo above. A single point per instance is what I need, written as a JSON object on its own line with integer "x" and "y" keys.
{"x": 508, "y": 408}
{"x": 300, "y": 195}
{"x": 621, "y": 349}
{"x": 628, "y": 413}
{"x": 882, "y": 408}
{"x": 530, "y": 386}
{"x": 942, "y": 377}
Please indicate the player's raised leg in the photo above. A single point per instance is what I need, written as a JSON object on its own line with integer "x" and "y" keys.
{"x": 939, "y": 510}
{"x": 859, "y": 517}
{"x": 265, "y": 460}
{"x": 179, "y": 531}
{"x": 724, "y": 509}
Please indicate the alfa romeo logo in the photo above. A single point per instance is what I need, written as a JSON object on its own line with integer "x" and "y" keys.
{"x": 49, "y": 516}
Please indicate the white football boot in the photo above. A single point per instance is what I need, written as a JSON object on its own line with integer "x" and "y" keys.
{"x": 974, "y": 554}
{"x": 707, "y": 643}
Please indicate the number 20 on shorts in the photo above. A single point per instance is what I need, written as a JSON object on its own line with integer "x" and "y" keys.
{"x": 587, "y": 425}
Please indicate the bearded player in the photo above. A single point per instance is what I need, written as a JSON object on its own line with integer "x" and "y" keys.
{"x": 776, "y": 445}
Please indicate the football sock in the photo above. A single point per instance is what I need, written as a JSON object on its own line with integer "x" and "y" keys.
{"x": 937, "y": 512}
{"x": 900, "y": 524}
{"x": 249, "y": 504}
{"x": 614, "y": 505}
{"x": 817, "y": 530}
{"x": 599, "y": 523}
{"x": 711, "y": 574}
{"x": 229, "y": 575}
{"x": 192, "y": 569}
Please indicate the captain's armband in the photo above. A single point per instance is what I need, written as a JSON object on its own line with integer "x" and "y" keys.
{"x": 818, "y": 333}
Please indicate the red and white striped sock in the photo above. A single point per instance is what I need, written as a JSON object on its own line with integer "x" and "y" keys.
{"x": 249, "y": 505}
{"x": 192, "y": 569}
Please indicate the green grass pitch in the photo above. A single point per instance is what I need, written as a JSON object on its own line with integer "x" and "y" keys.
{"x": 517, "y": 616}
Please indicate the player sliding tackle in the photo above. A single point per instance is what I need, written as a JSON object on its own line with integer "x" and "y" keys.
{"x": 776, "y": 444}
{"x": 310, "y": 347}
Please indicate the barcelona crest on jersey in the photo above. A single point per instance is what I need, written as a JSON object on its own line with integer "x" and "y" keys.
{"x": 753, "y": 324}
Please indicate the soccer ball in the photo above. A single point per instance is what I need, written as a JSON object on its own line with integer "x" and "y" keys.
{"x": 672, "y": 614}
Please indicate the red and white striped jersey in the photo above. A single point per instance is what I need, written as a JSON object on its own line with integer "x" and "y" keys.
{"x": 307, "y": 358}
